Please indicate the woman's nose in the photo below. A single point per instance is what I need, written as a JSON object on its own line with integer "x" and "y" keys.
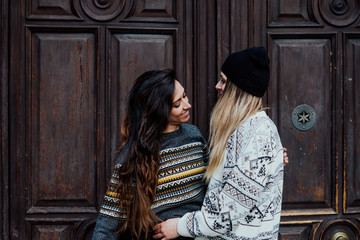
{"x": 187, "y": 104}
{"x": 218, "y": 86}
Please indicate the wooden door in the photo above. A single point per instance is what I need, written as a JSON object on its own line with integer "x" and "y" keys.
{"x": 67, "y": 65}
{"x": 71, "y": 64}
{"x": 4, "y": 123}
{"x": 314, "y": 52}
{"x": 314, "y": 49}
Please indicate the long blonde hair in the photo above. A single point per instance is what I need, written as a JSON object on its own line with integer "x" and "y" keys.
{"x": 232, "y": 109}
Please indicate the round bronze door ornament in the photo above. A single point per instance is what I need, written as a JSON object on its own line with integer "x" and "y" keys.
{"x": 339, "y": 12}
{"x": 339, "y": 7}
{"x": 303, "y": 117}
{"x": 102, "y": 10}
{"x": 341, "y": 229}
{"x": 102, "y": 3}
{"x": 340, "y": 236}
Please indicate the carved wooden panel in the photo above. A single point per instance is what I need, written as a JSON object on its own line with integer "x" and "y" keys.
{"x": 68, "y": 85}
{"x": 130, "y": 57}
{"x": 53, "y": 232}
{"x": 316, "y": 66}
{"x": 200, "y": 86}
{"x": 352, "y": 123}
{"x": 62, "y": 107}
{"x": 155, "y": 10}
{"x": 45, "y": 9}
{"x": 78, "y": 78}
{"x": 348, "y": 228}
{"x": 105, "y": 10}
{"x": 85, "y": 229}
{"x": 295, "y": 61}
{"x": 290, "y": 13}
{"x": 298, "y": 231}
{"x": 338, "y": 12}
{"x": 240, "y": 10}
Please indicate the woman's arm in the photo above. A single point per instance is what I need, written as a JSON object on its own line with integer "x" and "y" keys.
{"x": 110, "y": 213}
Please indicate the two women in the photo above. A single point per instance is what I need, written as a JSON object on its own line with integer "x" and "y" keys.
{"x": 159, "y": 173}
{"x": 245, "y": 173}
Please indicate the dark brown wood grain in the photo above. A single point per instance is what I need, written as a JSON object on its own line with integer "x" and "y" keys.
{"x": 4, "y": 123}
{"x": 72, "y": 64}
{"x": 61, "y": 121}
{"x": 295, "y": 63}
{"x": 67, "y": 66}
{"x": 313, "y": 52}
{"x": 352, "y": 123}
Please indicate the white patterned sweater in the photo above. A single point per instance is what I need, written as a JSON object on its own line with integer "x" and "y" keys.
{"x": 243, "y": 199}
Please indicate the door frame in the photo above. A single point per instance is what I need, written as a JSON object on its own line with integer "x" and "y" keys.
{"x": 4, "y": 169}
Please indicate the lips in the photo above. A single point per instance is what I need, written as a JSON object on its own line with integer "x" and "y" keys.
{"x": 187, "y": 113}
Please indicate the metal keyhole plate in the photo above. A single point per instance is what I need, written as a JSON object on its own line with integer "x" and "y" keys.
{"x": 303, "y": 117}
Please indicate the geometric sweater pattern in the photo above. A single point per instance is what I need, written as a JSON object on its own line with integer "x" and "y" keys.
{"x": 180, "y": 180}
{"x": 180, "y": 186}
{"x": 244, "y": 196}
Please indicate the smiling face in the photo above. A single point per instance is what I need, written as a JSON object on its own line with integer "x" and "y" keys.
{"x": 220, "y": 86}
{"x": 180, "y": 109}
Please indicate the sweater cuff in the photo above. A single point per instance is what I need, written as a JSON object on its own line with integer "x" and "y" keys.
{"x": 182, "y": 226}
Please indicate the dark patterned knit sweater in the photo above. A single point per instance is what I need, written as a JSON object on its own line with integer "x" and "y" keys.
{"x": 180, "y": 186}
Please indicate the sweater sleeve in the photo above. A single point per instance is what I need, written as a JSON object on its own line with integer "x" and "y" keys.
{"x": 110, "y": 213}
{"x": 245, "y": 192}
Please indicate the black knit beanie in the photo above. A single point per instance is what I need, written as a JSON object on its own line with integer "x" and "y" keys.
{"x": 249, "y": 70}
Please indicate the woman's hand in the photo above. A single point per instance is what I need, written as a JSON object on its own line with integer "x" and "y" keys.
{"x": 286, "y": 159}
{"x": 166, "y": 230}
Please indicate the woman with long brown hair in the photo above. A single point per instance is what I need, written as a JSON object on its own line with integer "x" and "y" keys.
{"x": 245, "y": 172}
{"x": 160, "y": 169}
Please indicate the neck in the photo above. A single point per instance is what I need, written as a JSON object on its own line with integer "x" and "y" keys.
{"x": 171, "y": 128}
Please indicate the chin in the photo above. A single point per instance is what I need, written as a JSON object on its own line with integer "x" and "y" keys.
{"x": 186, "y": 119}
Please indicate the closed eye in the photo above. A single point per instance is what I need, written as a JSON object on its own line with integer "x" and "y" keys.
{"x": 177, "y": 103}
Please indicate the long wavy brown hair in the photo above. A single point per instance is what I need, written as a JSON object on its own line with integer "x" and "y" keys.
{"x": 148, "y": 106}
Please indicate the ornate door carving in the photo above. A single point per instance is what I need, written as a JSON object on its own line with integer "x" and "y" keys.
{"x": 72, "y": 63}
{"x": 314, "y": 49}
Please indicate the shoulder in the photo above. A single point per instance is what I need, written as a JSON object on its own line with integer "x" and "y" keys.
{"x": 191, "y": 131}
{"x": 189, "y": 127}
{"x": 256, "y": 122}
{"x": 260, "y": 128}
{"x": 263, "y": 123}
{"x": 187, "y": 134}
